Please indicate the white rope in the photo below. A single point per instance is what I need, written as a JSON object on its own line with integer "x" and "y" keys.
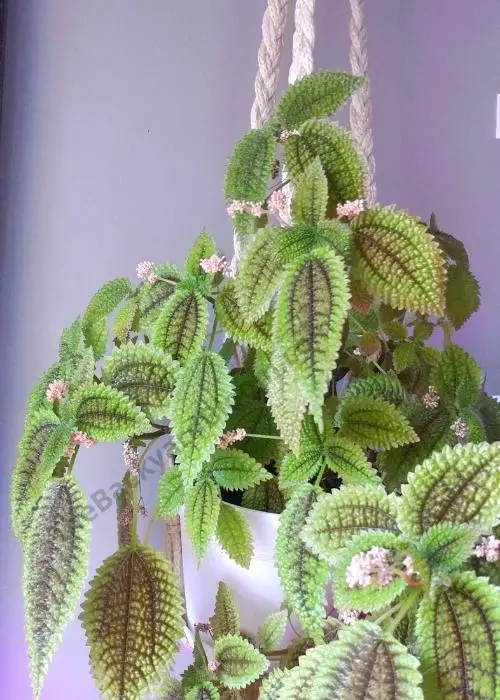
{"x": 361, "y": 106}
{"x": 303, "y": 41}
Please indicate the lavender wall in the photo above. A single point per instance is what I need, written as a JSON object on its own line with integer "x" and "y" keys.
{"x": 117, "y": 122}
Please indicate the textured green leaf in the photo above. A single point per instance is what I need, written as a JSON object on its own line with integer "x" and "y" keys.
{"x": 404, "y": 356}
{"x": 489, "y": 410}
{"x": 144, "y": 374}
{"x": 203, "y": 504}
{"x": 105, "y": 413}
{"x": 337, "y": 153}
{"x": 272, "y": 685}
{"x": 203, "y": 247}
{"x": 286, "y": 399}
{"x": 311, "y": 195}
{"x": 423, "y": 330}
{"x": 396, "y": 330}
{"x": 398, "y": 260}
{"x": 381, "y": 386}
{"x": 104, "y": 301}
{"x": 374, "y": 423}
{"x": 225, "y": 619}
{"x": 342, "y": 514}
{"x": 349, "y": 461}
{"x": 235, "y": 470}
{"x": 171, "y": 493}
{"x": 455, "y": 368}
{"x": 311, "y": 309}
{"x": 298, "y": 469}
{"x": 302, "y": 574}
{"x": 265, "y": 497}
{"x": 234, "y": 535}
{"x": 96, "y": 337}
{"x": 124, "y": 320}
{"x": 152, "y": 297}
{"x": 56, "y": 561}
{"x": 272, "y": 631}
{"x": 448, "y": 545}
{"x": 239, "y": 662}
{"x": 452, "y": 248}
{"x": 316, "y": 95}
{"x": 458, "y": 633}
{"x": 296, "y": 241}
{"x": 37, "y": 398}
{"x": 257, "y": 334}
{"x": 259, "y": 274}
{"x": 336, "y": 235}
{"x": 205, "y": 691}
{"x": 459, "y": 485}
{"x": 180, "y": 328}
{"x": 132, "y": 619}
{"x": 200, "y": 406}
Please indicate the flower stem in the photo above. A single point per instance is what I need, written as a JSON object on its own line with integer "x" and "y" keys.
{"x": 263, "y": 437}
{"x": 174, "y": 283}
{"x": 213, "y": 333}
{"x": 404, "y": 608}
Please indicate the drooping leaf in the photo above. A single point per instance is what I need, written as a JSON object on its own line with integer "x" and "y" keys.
{"x": 287, "y": 400}
{"x": 399, "y": 261}
{"x": 298, "y": 469}
{"x": 199, "y": 409}
{"x": 344, "y": 513}
{"x": 144, "y": 374}
{"x": 458, "y": 633}
{"x": 234, "y": 535}
{"x": 259, "y": 274}
{"x": 266, "y": 497}
{"x": 316, "y": 95}
{"x": 203, "y": 247}
{"x": 180, "y": 328}
{"x": 171, "y": 493}
{"x": 272, "y": 631}
{"x": 311, "y": 309}
{"x": 105, "y": 413}
{"x": 447, "y": 546}
{"x": 152, "y": 297}
{"x": 382, "y": 386}
{"x": 302, "y": 574}
{"x": 374, "y": 423}
{"x": 203, "y": 502}
{"x": 337, "y": 153}
{"x": 455, "y": 368}
{"x": 56, "y": 561}
{"x": 132, "y": 619}
{"x": 459, "y": 485}
{"x": 349, "y": 461}
{"x": 104, "y": 301}
{"x": 257, "y": 334}
{"x": 239, "y": 662}
{"x": 235, "y": 470}
{"x": 225, "y": 619}
{"x": 311, "y": 195}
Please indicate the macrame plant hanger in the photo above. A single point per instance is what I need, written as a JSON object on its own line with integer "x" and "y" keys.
{"x": 266, "y": 89}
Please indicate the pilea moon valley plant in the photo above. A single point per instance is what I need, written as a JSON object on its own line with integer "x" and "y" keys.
{"x": 304, "y": 384}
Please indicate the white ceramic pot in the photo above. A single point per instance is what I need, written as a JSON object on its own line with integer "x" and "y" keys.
{"x": 257, "y": 590}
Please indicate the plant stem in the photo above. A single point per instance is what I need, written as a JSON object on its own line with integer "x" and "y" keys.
{"x": 213, "y": 333}
{"x": 174, "y": 283}
{"x": 73, "y": 460}
{"x": 155, "y": 435}
{"x": 404, "y": 609}
{"x": 263, "y": 437}
{"x": 134, "y": 540}
{"x": 320, "y": 475}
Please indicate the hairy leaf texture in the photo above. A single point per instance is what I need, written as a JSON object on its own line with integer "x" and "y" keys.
{"x": 381, "y": 386}
{"x": 458, "y": 633}
{"x": 235, "y": 470}
{"x": 203, "y": 247}
{"x": 311, "y": 309}
{"x": 203, "y": 504}
{"x": 71, "y": 341}
{"x": 272, "y": 685}
{"x": 447, "y": 546}
{"x": 316, "y": 95}
{"x": 459, "y": 485}
{"x": 75, "y": 360}
{"x": 463, "y": 296}
{"x": 302, "y": 574}
{"x": 171, "y": 493}
{"x": 286, "y": 399}
{"x": 180, "y": 328}
{"x": 344, "y": 513}
{"x": 337, "y": 153}
{"x": 404, "y": 356}
{"x": 259, "y": 274}
{"x": 455, "y": 370}
{"x": 311, "y": 195}
{"x": 204, "y": 691}
{"x": 349, "y": 461}
{"x": 225, "y": 619}
{"x": 126, "y": 320}
{"x": 239, "y": 662}
{"x": 42, "y": 445}
{"x": 295, "y": 242}
{"x": 96, "y": 337}
{"x": 124, "y": 506}
{"x": 272, "y": 631}
{"x": 489, "y": 410}
{"x": 335, "y": 235}
{"x": 132, "y": 619}
{"x": 105, "y": 413}
{"x": 266, "y": 497}
{"x": 374, "y": 423}
{"x": 453, "y": 249}
{"x": 38, "y": 398}
{"x": 234, "y": 535}
{"x": 372, "y": 597}
{"x": 200, "y": 406}
{"x": 144, "y": 374}
{"x": 104, "y": 301}
{"x": 152, "y": 297}
{"x": 56, "y": 561}
{"x": 399, "y": 260}
{"x": 257, "y": 333}
{"x": 297, "y": 469}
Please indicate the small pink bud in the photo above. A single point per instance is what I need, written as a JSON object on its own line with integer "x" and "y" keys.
{"x": 431, "y": 398}
{"x": 350, "y": 209}
{"x": 145, "y": 271}
{"x": 57, "y": 390}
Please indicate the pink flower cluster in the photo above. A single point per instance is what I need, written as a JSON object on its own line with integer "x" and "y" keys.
{"x": 131, "y": 458}
{"x": 431, "y": 398}
{"x": 350, "y": 209}
{"x": 278, "y": 202}
{"x": 79, "y": 438}
{"x": 57, "y": 390}
{"x": 460, "y": 429}
{"x": 126, "y": 516}
{"x": 287, "y": 134}
{"x": 243, "y": 207}
{"x": 232, "y": 436}
{"x": 215, "y": 264}
{"x": 145, "y": 271}
{"x": 373, "y": 567}
{"x": 489, "y": 549}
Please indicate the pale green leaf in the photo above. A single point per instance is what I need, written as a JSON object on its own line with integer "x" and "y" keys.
{"x": 203, "y": 503}
{"x": 234, "y": 535}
